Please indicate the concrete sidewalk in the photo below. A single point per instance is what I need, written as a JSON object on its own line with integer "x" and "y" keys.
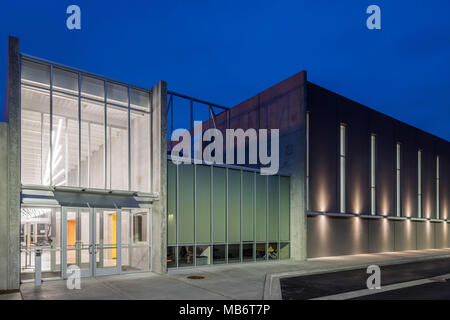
{"x": 240, "y": 281}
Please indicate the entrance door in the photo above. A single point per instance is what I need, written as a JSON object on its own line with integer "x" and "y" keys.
{"x": 107, "y": 237}
{"x": 77, "y": 239}
{"x": 91, "y": 240}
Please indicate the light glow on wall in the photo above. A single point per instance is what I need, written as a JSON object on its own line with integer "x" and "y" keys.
{"x": 408, "y": 208}
{"x": 357, "y": 204}
{"x": 323, "y": 197}
{"x": 385, "y": 204}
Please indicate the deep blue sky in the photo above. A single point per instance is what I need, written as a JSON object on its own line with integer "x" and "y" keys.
{"x": 227, "y": 51}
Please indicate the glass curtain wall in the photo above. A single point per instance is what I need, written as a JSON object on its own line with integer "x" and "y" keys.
{"x": 220, "y": 215}
{"x": 79, "y": 130}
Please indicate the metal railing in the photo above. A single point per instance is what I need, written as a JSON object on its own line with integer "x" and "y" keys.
{"x": 213, "y": 111}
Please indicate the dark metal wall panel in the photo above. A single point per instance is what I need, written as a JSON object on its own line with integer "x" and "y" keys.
{"x": 324, "y": 137}
{"x": 441, "y": 235}
{"x": 405, "y": 235}
{"x": 381, "y": 235}
{"x": 334, "y": 236}
{"x": 383, "y": 127}
{"x": 327, "y": 111}
{"x": 444, "y": 184}
{"x": 407, "y": 138}
{"x": 357, "y": 156}
{"x": 428, "y": 145}
{"x": 425, "y": 235}
{"x": 329, "y": 236}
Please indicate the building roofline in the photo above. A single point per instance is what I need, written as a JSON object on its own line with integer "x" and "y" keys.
{"x": 380, "y": 113}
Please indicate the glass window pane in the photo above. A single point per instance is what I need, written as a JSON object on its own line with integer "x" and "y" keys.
{"x": 117, "y": 149}
{"x": 65, "y": 137}
{"x": 92, "y": 144}
{"x": 261, "y": 208}
{"x": 65, "y": 81}
{"x": 284, "y": 208}
{"x": 40, "y": 227}
{"x": 234, "y": 253}
{"x": 186, "y": 204}
{"x": 272, "y": 251}
{"x": 219, "y": 254}
{"x": 135, "y": 259}
{"x": 139, "y": 226}
{"x": 273, "y": 207}
{"x": 106, "y": 241}
{"x": 140, "y": 99}
{"x": 185, "y": 256}
{"x": 248, "y": 205}
{"x": 219, "y": 203}
{"x": 171, "y": 257}
{"x": 234, "y": 205}
{"x": 203, "y": 204}
{"x": 93, "y": 88}
{"x": 171, "y": 203}
{"x": 247, "y": 252}
{"x": 140, "y": 151}
{"x": 261, "y": 252}
{"x": 35, "y": 136}
{"x": 117, "y": 94}
{"x": 203, "y": 255}
{"x": 126, "y": 228}
{"x": 37, "y": 74}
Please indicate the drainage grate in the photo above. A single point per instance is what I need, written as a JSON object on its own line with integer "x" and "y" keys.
{"x": 196, "y": 277}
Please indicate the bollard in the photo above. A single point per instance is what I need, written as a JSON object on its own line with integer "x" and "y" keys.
{"x": 37, "y": 268}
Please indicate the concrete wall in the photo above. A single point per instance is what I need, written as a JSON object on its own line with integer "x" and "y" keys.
{"x": 335, "y": 236}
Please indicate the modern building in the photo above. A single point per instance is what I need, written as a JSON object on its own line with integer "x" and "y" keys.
{"x": 86, "y": 179}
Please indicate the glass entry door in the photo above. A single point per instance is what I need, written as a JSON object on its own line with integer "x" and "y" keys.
{"x": 107, "y": 236}
{"x": 91, "y": 240}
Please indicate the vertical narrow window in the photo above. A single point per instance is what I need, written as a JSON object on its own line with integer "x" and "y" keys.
{"x": 307, "y": 161}
{"x": 372, "y": 174}
{"x": 397, "y": 171}
{"x": 419, "y": 183}
{"x": 342, "y": 168}
{"x": 438, "y": 211}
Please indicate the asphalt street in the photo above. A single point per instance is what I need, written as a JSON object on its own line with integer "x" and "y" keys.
{"x": 328, "y": 284}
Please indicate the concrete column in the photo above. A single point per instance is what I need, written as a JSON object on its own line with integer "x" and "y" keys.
{"x": 10, "y": 180}
{"x": 3, "y": 206}
{"x": 159, "y": 176}
{"x": 298, "y": 185}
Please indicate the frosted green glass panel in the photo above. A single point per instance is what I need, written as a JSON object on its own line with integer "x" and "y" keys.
{"x": 273, "y": 207}
{"x": 261, "y": 208}
{"x": 171, "y": 203}
{"x": 284, "y": 208}
{"x": 219, "y": 204}
{"x": 186, "y": 204}
{"x": 234, "y": 205}
{"x": 248, "y": 206}
{"x": 203, "y": 204}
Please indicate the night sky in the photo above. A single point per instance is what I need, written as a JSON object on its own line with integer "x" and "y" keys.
{"x": 227, "y": 51}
